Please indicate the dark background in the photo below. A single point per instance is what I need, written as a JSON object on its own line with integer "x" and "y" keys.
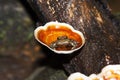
{"x": 20, "y": 53}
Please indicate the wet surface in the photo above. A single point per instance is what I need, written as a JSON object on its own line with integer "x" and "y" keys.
{"x": 91, "y": 18}
{"x": 19, "y": 51}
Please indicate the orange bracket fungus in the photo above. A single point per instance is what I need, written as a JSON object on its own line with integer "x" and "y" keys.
{"x": 61, "y": 38}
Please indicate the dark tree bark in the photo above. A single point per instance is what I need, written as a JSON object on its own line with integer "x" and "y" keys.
{"x": 94, "y": 19}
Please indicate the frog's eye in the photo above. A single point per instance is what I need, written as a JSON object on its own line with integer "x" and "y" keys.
{"x": 53, "y": 31}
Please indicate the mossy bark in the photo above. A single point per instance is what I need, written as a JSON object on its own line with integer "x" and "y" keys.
{"x": 94, "y": 19}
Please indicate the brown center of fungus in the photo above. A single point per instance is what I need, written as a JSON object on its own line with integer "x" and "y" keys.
{"x": 64, "y": 43}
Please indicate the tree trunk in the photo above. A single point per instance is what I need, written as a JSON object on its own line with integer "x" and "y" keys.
{"x": 94, "y": 19}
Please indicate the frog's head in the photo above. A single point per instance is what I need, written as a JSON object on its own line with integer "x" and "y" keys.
{"x": 64, "y": 43}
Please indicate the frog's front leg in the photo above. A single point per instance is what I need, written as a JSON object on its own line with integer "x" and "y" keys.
{"x": 53, "y": 45}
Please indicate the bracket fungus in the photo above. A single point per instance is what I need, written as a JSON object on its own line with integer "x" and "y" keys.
{"x": 61, "y": 38}
{"x": 109, "y": 72}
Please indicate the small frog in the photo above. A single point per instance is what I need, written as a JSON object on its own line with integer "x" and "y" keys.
{"x": 64, "y": 43}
